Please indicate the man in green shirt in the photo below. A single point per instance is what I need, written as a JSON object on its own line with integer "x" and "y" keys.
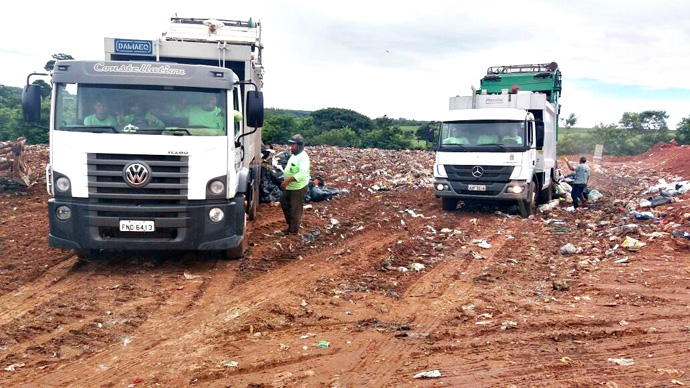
{"x": 139, "y": 116}
{"x": 487, "y": 139}
{"x": 456, "y": 138}
{"x": 513, "y": 138}
{"x": 101, "y": 118}
{"x": 208, "y": 114}
{"x": 295, "y": 185}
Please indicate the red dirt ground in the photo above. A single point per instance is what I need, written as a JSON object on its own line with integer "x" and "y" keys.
{"x": 516, "y": 314}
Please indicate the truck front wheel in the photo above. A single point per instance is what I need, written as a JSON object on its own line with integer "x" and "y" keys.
{"x": 449, "y": 204}
{"x": 546, "y": 195}
{"x": 526, "y": 207}
{"x": 238, "y": 251}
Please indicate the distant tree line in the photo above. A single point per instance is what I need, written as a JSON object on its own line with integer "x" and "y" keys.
{"x": 635, "y": 133}
{"x": 338, "y": 127}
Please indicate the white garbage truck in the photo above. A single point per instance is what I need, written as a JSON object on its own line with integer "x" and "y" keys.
{"x": 499, "y": 144}
{"x": 157, "y": 147}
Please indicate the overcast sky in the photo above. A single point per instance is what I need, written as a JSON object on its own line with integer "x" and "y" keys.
{"x": 401, "y": 59}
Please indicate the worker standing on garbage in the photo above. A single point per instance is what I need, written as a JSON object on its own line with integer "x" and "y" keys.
{"x": 581, "y": 179}
{"x": 295, "y": 185}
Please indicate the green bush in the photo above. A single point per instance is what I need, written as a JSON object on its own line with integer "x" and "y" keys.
{"x": 344, "y": 137}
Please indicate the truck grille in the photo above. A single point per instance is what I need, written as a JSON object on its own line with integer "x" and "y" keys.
{"x": 494, "y": 178}
{"x": 162, "y": 200}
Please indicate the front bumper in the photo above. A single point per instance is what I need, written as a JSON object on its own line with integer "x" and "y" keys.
{"x": 494, "y": 190}
{"x": 177, "y": 227}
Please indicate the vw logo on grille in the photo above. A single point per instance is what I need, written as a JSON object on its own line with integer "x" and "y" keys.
{"x": 137, "y": 174}
{"x": 477, "y": 171}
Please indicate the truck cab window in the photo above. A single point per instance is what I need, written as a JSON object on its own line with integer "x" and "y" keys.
{"x": 141, "y": 109}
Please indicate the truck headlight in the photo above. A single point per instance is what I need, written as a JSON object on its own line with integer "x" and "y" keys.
{"x": 216, "y": 214}
{"x": 63, "y": 213}
{"x": 217, "y": 187}
{"x": 516, "y": 189}
{"x": 62, "y": 184}
{"x": 439, "y": 187}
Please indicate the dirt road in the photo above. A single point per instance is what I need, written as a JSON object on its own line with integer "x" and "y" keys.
{"x": 392, "y": 286}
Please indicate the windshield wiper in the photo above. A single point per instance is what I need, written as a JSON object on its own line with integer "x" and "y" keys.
{"x": 182, "y": 130}
{"x": 494, "y": 144}
{"x": 454, "y": 145}
{"x": 95, "y": 128}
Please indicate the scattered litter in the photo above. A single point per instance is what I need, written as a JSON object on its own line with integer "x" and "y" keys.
{"x": 622, "y": 361}
{"x": 189, "y": 276}
{"x": 303, "y": 303}
{"x": 622, "y": 260}
{"x": 305, "y": 336}
{"x": 417, "y": 267}
{"x": 402, "y": 269}
{"x": 632, "y": 244}
{"x": 475, "y": 255}
{"x": 643, "y": 215}
{"x": 566, "y": 360}
{"x": 310, "y": 237}
{"x": 482, "y": 244}
{"x": 323, "y": 344}
{"x": 432, "y": 374}
{"x": 413, "y": 214}
{"x": 568, "y": 249}
{"x": 549, "y": 206}
{"x": 232, "y": 364}
{"x": 680, "y": 233}
{"x": 508, "y": 325}
{"x": 594, "y": 195}
{"x": 446, "y": 230}
{"x": 14, "y": 367}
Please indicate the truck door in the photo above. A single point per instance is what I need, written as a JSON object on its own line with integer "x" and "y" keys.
{"x": 532, "y": 138}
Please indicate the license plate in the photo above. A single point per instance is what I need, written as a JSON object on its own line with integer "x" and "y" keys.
{"x": 137, "y": 226}
{"x": 476, "y": 187}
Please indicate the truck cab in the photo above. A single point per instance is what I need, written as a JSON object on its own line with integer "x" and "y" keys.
{"x": 499, "y": 144}
{"x": 158, "y": 146}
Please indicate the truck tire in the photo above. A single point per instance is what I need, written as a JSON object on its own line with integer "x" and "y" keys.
{"x": 238, "y": 251}
{"x": 449, "y": 204}
{"x": 526, "y": 207}
{"x": 254, "y": 201}
{"x": 546, "y": 195}
{"x": 88, "y": 254}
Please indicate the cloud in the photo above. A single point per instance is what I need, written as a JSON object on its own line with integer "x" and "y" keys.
{"x": 405, "y": 59}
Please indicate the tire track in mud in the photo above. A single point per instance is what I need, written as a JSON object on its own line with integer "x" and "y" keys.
{"x": 423, "y": 297}
{"x": 59, "y": 278}
{"x": 221, "y": 303}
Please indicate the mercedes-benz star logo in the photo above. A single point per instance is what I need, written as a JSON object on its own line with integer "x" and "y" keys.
{"x": 137, "y": 174}
{"x": 477, "y": 171}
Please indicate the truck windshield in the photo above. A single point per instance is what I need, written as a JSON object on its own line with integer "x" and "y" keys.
{"x": 501, "y": 135}
{"x": 132, "y": 109}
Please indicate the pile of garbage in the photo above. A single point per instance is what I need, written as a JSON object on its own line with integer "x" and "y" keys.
{"x": 272, "y": 170}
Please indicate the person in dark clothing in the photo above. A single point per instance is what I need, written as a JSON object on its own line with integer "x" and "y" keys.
{"x": 581, "y": 178}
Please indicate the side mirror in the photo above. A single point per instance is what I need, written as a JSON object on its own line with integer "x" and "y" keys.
{"x": 255, "y": 109}
{"x": 31, "y": 103}
{"x": 430, "y": 135}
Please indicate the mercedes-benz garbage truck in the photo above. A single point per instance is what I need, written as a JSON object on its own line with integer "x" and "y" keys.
{"x": 158, "y": 146}
{"x": 499, "y": 144}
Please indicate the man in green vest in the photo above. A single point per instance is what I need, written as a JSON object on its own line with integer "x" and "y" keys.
{"x": 101, "y": 118}
{"x": 513, "y": 137}
{"x": 295, "y": 185}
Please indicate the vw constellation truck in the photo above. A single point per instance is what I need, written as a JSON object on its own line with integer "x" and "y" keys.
{"x": 157, "y": 147}
{"x": 499, "y": 144}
